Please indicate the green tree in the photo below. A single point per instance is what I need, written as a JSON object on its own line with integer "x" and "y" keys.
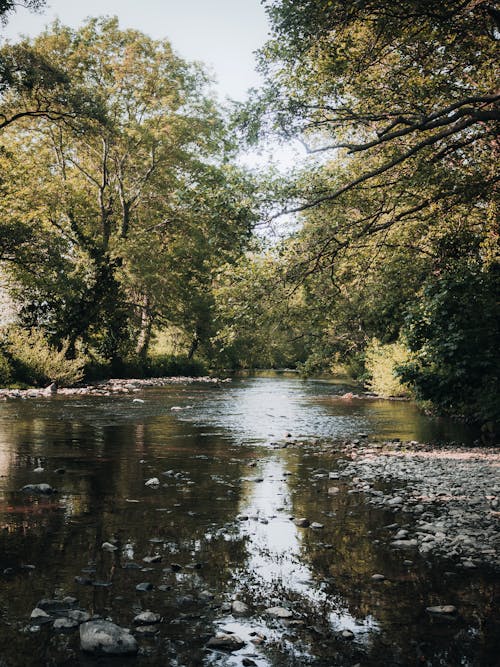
{"x": 140, "y": 178}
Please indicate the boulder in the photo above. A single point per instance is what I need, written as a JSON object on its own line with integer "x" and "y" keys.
{"x": 104, "y": 637}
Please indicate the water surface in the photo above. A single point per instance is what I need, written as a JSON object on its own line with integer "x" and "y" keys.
{"x": 217, "y": 449}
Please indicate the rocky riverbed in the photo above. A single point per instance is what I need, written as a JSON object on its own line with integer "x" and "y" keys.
{"x": 445, "y": 500}
{"x": 110, "y": 387}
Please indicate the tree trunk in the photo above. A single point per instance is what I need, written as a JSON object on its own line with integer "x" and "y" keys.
{"x": 144, "y": 337}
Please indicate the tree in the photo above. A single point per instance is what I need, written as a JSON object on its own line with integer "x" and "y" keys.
{"x": 405, "y": 93}
{"x": 107, "y": 188}
{"x": 8, "y": 6}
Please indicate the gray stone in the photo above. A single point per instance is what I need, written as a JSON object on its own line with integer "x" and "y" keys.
{"x": 279, "y": 612}
{"x": 302, "y": 522}
{"x": 104, "y": 637}
{"x": 62, "y": 624}
{"x": 239, "y": 608}
{"x": 445, "y": 609}
{"x": 44, "y": 489}
{"x": 226, "y": 642}
{"x": 147, "y": 618}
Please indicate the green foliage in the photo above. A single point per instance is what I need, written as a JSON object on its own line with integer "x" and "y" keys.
{"x": 36, "y": 362}
{"x": 453, "y": 333}
{"x": 381, "y": 362}
{"x": 5, "y": 370}
{"x": 169, "y": 365}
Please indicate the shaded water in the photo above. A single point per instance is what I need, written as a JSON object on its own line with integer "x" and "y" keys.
{"x": 215, "y": 446}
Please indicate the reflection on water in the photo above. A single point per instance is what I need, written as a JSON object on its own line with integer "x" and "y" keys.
{"x": 218, "y": 528}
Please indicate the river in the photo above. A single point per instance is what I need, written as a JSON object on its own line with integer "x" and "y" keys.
{"x": 218, "y": 528}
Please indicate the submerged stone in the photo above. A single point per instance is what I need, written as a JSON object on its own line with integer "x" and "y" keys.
{"x": 104, "y": 637}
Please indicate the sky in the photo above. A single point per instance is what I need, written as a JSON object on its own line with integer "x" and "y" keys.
{"x": 221, "y": 33}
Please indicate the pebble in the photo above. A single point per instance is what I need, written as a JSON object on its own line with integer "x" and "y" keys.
{"x": 154, "y": 481}
{"x": 302, "y": 522}
{"x": 240, "y": 608}
{"x": 279, "y": 612}
{"x": 446, "y": 609}
{"x": 226, "y": 642}
{"x": 147, "y": 618}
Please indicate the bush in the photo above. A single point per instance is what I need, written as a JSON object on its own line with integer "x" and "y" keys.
{"x": 38, "y": 363}
{"x": 381, "y": 362}
{"x": 5, "y": 370}
{"x": 168, "y": 365}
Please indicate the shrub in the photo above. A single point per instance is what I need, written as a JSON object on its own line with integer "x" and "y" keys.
{"x": 38, "y": 363}
{"x": 381, "y": 362}
{"x": 166, "y": 365}
{"x": 5, "y": 370}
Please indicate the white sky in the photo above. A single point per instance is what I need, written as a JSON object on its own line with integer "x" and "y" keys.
{"x": 221, "y": 33}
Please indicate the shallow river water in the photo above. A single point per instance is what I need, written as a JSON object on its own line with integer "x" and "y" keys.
{"x": 218, "y": 528}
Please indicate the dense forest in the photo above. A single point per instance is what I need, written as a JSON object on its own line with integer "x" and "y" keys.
{"x": 132, "y": 242}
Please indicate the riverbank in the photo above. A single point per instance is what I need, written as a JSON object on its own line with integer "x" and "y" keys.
{"x": 445, "y": 499}
{"x": 110, "y": 387}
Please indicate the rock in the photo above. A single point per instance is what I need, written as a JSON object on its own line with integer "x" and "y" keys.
{"x": 333, "y": 490}
{"x": 316, "y": 525}
{"x": 50, "y": 390}
{"x": 146, "y": 630}
{"x": 62, "y": 624}
{"x": 108, "y": 546}
{"x": 104, "y": 637}
{"x": 224, "y": 642}
{"x": 154, "y": 481}
{"x": 144, "y": 587}
{"x": 44, "y": 489}
{"x": 248, "y": 662}
{"x": 347, "y": 634}
{"x": 152, "y": 559}
{"x": 393, "y": 502}
{"x": 445, "y": 609}
{"x": 279, "y": 612}
{"x": 302, "y": 522}
{"x": 56, "y": 605}
{"x": 147, "y": 618}
{"x": 239, "y": 608}
{"x": 79, "y": 616}
{"x": 378, "y": 577}
{"x": 404, "y": 544}
{"x": 137, "y": 400}
{"x": 39, "y": 614}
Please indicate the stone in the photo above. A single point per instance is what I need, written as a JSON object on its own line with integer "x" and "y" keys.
{"x": 62, "y": 624}
{"x": 108, "y": 546}
{"x": 152, "y": 559}
{"x": 378, "y": 577}
{"x": 146, "y": 630}
{"x": 44, "y": 489}
{"x": 445, "y": 609}
{"x": 347, "y": 634}
{"x": 302, "y": 522}
{"x": 144, "y": 587}
{"x": 239, "y": 608}
{"x": 154, "y": 481}
{"x": 104, "y": 637}
{"x": 147, "y": 618}
{"x": 279, "y": 612}
{"x": 78, "y": 615}
{"x": 404, "y": 544}
{"x": 393, "y": 502}
{"x": 226, "y": 642}
{"x": 38, "y": 614}
{"x": 333, "y": 490}
{"x": 316, "y": 525}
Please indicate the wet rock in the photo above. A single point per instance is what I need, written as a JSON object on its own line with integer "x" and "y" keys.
{"x": 440, "y": 610}
{"x": 347, "y": 634}
{"x": 226, "y": 642}
{"x": 108, "y": 546}
{"x": 39, "y": 614}
{"x": 64, "y": 624}
{"x": 404, "y": 544}
{"x": 154, "y": 481}
{"x": 378, "y": 577}
{"x": 394, "y": 502}
{"x": 43, "y": 489}
{"x": 54, "y": 605}
{"x": 152, "y": 559}
{"x": 302, "y": 522}
{"x": 146, "y": 630}
{"x": 147, "y": 618}
{"x": 279, "y": 612}
{"x": 333, "y": 490}
{"x": 316, "y": 525}
{"x": 248, "y": 662}
{"x": 104, "y": 637}
{"x": 78, "y": 615}
{"x": 144, "y": 587}
{"x": 239, "y": 608}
